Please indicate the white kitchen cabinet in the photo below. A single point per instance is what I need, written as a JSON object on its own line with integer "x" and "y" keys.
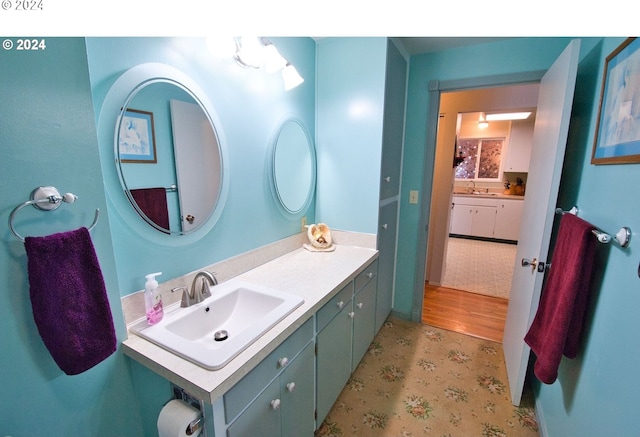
{"x": 484, "y": 221}
{"x": 486, "y": 217}
{"x": 520, "y": 143}
{"x": 473, "y": 216}
{"x": 508, "y": 218}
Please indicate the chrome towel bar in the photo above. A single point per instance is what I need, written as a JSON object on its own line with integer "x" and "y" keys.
{"x": 47, "y": 199}
{"x": 622, "y": 237}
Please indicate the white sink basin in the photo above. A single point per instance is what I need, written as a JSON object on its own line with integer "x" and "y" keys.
{"x": 211, "y": 333}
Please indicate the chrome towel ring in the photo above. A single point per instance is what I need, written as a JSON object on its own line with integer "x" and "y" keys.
{"x": 47, "y": 199}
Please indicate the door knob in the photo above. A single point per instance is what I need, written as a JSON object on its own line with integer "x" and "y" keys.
{"x": 528, "y": 262}
{"x": 534, "y": 263}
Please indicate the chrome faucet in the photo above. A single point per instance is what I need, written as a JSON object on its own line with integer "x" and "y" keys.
{"x": 472, "y": 189}
{"x": 195, "y": 295}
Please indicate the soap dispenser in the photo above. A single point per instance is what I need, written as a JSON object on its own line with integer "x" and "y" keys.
{"x": 153, "y": 299}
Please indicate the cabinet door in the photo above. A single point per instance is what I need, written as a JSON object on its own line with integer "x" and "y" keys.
{"x": 296, "y": 393}
{"x": 508, "y": 219}
{"x": 484, "y": 221}
{"x": 461, "y": 219}
{"x": 262, "y": 417}
{"x": 393, "y": 122}
{"x": 387, "y": 231}
{"x": 364, "y": 309}
{"x": 333, "y": 361}
{"x": 520, "y": 143}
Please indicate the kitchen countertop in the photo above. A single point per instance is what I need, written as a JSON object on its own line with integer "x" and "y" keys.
{"x": 490, "y": 195}
{"x": 316, "y": 276}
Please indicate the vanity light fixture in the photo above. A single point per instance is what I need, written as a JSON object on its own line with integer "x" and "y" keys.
{"x": 291, "y": 77}
{"x": 254, "y": 52}
{"x": 508, "y": 116}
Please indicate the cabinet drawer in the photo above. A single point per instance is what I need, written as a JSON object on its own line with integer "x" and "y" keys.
{"x": 333, "y": 307}
{"x": 369, "y": 273}
{"x": 241, "y": 395}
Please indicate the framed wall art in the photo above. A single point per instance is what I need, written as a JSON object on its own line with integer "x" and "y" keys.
{"x": 136, "y": 137}
{"x": 617, "y": 137}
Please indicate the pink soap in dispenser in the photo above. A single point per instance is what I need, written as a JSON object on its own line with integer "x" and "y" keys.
{"x": 153, "y": 299}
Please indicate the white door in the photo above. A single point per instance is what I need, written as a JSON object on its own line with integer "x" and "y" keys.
{"x": 549, "y": 143}
{"x": 197, "y": 163}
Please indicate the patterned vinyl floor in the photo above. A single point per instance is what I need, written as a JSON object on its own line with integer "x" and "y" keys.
{"x": 482, "y": 267}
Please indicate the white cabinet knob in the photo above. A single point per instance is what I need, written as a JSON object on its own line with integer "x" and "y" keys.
{"x": 340, "y": 304}
{"x": 275, "y": 404}
{"x": 387, "y": 179}
{"x": 385, "y": 226}
{"x": 291, "y": 386}
{"x": 283, "y": 361}
{"x": 360, "y": 305}
{"x": 352, "y": 314}
{"x": 370, "y": 275}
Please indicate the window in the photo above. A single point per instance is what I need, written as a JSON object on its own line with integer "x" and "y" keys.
{"x": 482, "y": 158}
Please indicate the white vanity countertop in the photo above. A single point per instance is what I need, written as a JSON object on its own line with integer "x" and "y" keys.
{"x": 315, "y": 276}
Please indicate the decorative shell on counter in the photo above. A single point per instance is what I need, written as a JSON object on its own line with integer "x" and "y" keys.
{"x": 319, "y": 237}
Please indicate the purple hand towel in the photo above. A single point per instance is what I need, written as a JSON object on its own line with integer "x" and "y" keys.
{"x": 69, "y": 300}
{"x": 557, "y": 325}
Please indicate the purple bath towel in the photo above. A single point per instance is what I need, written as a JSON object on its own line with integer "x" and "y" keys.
{"x": 69, "y": 300}
{"x": 557, "y": 326}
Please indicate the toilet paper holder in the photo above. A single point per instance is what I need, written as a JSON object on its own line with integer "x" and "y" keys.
{"x": 196, "y": 424}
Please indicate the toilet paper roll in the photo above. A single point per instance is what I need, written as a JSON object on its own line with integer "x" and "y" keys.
{"x": 175, "y": 417}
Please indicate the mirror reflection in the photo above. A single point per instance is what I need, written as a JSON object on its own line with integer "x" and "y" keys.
{"x": 168, "y": 157}
{"x": 294, "y": 167}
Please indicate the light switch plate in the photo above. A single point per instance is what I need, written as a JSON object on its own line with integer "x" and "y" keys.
{"x": 413, "y": 196}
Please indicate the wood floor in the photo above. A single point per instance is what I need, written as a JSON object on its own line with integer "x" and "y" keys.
{"x": 467, "y": 313}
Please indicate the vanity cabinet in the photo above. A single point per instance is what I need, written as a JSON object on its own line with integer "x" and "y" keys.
{"x": 277, "y": 396}
{"x": 345, "y": 329}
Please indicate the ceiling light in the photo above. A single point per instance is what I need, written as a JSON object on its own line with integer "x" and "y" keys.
{"x": 508, "y": 116}
{"x": 482, "y": 122}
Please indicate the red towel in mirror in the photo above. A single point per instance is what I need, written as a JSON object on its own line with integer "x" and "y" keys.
{"x": 153, "y": 203}
{"x": 557, "y": 326}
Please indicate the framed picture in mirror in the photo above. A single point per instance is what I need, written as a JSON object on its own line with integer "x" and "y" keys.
{"x": 136, "y": 137}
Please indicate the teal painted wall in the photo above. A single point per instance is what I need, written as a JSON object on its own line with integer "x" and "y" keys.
{"x": 251, "y": 105}
{"x": 350, "y": 102}
{"x": 48, "y": 137}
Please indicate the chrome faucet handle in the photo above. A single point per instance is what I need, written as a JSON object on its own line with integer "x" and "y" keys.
{"x": 186, "y": 298}
{"x": 204, "y": 292}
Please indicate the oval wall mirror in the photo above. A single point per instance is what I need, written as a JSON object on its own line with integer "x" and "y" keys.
{"x": 293, "y": 167}
{"x": 168, "y": 156}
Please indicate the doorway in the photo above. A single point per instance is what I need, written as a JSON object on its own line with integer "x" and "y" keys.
{"x": 452, "y": 105}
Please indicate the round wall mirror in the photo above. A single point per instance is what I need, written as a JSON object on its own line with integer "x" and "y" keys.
{"x": 293, "y": 167}
{"x": 168, "y": 156}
